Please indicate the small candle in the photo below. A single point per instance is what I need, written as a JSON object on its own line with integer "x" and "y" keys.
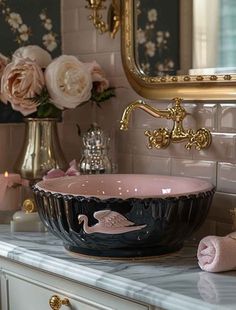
{"x": 10, "y": 190}
{"x": 27, "y": 219}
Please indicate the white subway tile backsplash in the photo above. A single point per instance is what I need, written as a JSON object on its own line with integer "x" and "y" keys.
{"x": 151, "y": 165}
{"x": 70, "y": 20}
{"x": 71, "y": 143}
{"x": 124, "y": 142}
{"x": 76, "y": 44}
{"x": 189, "y": 121}
{"x": 71, "y": 4}
{"x": 206, "y": 116}
{"x": 223, "y": 147}
{"x": 178, "y": 150}
{"x": 106, "y": 61}
{"x": 227, "y": 117}
{"x": 140, "y": 144}
{"x": 223, "y": 229}
{"x": 119, "y": 70}
{"x": 207, "y": 228}
{"x": 226, "y": 177}
{"x": 142, "y": 119}
{"x": 106, "y": 44}
{"x": 83, "y": 19}
{"x": 124, "y": 163}
{"x": 194, "y": 168}
{"x": 221, "y": 206}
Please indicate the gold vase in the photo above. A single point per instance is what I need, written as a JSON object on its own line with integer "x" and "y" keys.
{"x": 41, "y": 149}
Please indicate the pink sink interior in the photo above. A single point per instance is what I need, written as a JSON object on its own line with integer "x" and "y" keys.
{"x": 125, "y": 186}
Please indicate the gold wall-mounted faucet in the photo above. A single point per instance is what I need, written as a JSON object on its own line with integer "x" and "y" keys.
{"x": 161, "y": 138}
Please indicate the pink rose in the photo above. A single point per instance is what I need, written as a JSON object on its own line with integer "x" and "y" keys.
{"x": 68, "y": 82}
{"x": 98, "y": 76}
{"x": 22, "y": 80}
{"x": 3, "y": 63}
{"x": 35, "y": 53}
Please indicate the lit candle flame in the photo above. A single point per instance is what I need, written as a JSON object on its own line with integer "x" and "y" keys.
{"x": 6, "y": 174}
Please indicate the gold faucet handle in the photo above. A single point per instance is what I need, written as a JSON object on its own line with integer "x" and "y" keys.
{"x": 201, "y": 139}
{"x": 55, "y": 302}
{"x": 159, "y": 138}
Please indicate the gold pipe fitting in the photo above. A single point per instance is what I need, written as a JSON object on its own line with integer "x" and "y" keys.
{"x": 162, "y": 137}
{"x": 113, "y": 18}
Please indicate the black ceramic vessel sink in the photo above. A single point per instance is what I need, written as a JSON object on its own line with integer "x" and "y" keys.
{"x": 122, "y": 215}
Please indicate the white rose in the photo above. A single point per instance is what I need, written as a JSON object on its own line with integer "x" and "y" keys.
{"x": 68, "y": 82}
{"x": 35, "y": 53}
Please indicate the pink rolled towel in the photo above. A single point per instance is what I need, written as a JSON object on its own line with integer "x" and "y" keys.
{"x": 216, "y": 254}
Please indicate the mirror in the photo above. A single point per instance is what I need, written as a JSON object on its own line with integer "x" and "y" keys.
{"x": 213, "y": 42}
{"x": 157, "y": 37}
{"x": 177, "y": 71}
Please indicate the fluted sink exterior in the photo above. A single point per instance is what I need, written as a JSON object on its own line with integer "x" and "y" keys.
{"x": 151, "y": 225}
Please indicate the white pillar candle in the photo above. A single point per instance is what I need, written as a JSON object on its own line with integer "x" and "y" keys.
{"x": 10, "y": 191}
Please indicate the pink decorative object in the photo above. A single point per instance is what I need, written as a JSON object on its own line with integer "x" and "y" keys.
{"x": 109, "y": 222}
{"x": 216, "y": 254}
{"x": 57, "y": 173}
{"x": 10, "y": 191}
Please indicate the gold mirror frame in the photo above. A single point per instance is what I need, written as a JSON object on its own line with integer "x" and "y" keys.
{"x": 189, "y": 87}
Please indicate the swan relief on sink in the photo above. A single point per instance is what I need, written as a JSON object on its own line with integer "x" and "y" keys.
{"x": 109, "y": 222}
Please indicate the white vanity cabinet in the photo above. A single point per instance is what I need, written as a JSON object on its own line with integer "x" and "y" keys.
{"x": 27, "y": 288}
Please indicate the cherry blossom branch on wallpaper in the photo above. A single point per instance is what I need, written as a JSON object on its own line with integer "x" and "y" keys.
{"x": 23, "y": 31}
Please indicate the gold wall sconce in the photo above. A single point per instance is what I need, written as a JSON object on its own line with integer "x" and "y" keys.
{"x": 161, "y": 138}
{"x": 113, "y": 16}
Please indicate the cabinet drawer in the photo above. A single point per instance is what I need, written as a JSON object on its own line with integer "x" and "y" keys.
{"x": 23, "y": 293}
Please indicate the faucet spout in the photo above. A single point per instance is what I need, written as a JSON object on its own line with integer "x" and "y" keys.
{"x": 143, "y": 106}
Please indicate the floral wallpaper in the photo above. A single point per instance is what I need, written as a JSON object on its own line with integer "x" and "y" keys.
{"x": 28, "y": 22}
{"x": 157, "y": 36}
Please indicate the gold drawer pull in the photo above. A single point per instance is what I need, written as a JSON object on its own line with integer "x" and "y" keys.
{"x": 56, "y": 302}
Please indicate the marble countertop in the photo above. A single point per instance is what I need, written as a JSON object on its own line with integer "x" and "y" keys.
{"x": 172, "y": 281}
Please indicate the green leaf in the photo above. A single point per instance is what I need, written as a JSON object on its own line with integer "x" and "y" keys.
{"x": 46, "y": 108}
{"x": 105, "y": 95}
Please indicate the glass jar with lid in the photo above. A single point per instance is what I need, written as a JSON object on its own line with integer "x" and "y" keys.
{"x": 95, "y": 158}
